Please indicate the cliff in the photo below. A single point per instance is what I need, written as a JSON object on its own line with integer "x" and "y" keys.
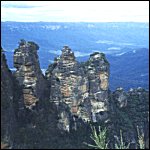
{"x": 12, "y": 106}
{"x": 37, "y": 110}
{"x": 29, "y": 74}
{"x": 80, "y": 91}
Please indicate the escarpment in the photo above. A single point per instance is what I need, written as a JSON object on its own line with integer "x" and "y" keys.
{"x": 70, "y": 97}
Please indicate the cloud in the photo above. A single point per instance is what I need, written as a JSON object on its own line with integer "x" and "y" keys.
{"x": 114, "y": 43}
{"x": 81, "y": 54}
{"x": 75, "y": 11}
{"x": 114, "y": 48}
{"x": 18, "y": 6}
{"x": 120, "y": 54}
{"x": 104, "y": 42}
{"x": 57, "y": 52}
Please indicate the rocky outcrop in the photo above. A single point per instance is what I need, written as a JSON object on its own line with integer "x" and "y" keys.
{"x": 37, "y": 110}
{"x": 12, "y": 106}
{"x": 29, "y": 74}
{"x": 79, "y": 90}
{"x": 138, "y": 110}
{"x": 129, "y": 112}
{"x": 120, "y": 97}
{"x": 98, "y": 77}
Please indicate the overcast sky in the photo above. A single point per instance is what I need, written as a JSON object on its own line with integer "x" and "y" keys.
{"x": 75, "y": 11}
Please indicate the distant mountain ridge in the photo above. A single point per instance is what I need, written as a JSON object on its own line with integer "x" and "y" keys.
{"x": 57, "y": 110}
{"x": 83, "y": 37}
{"x": 118, "y": 41}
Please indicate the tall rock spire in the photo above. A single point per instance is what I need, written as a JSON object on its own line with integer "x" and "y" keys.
{"x": 79, "y": 90}
{"x": 28, "y": 72}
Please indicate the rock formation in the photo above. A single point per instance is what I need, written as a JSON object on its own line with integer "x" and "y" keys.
{"x": 12, "y": 106}
{"x": 129, "y": 112}
{"x": 120, "y": 97}
{"x": 79, "y": 91}
{"x": 29, "y": 74}
{"x": 37, "y": 110}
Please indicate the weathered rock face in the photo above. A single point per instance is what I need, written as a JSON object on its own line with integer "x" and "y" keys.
{"x": 37, "y": 128}
{"x": 98, "y": 77}
{"x": 12, "y": 105}
{"x": 28, "y": 73}
{"x": 120, "y": 97}
{"x": 78, "y": 93}
{"x": 81, "y": 88}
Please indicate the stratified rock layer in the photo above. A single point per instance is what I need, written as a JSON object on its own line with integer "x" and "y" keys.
{"x": 79, "y": 90}
{"x": 29, "y": 74}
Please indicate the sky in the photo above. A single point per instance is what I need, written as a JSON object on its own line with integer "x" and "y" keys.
{"x": 75, "y": 11}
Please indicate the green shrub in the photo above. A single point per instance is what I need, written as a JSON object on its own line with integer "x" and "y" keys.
{"x": 120, "y": 143}
{"x": 140, "y": 139}
{"x": 99, "y": 138}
